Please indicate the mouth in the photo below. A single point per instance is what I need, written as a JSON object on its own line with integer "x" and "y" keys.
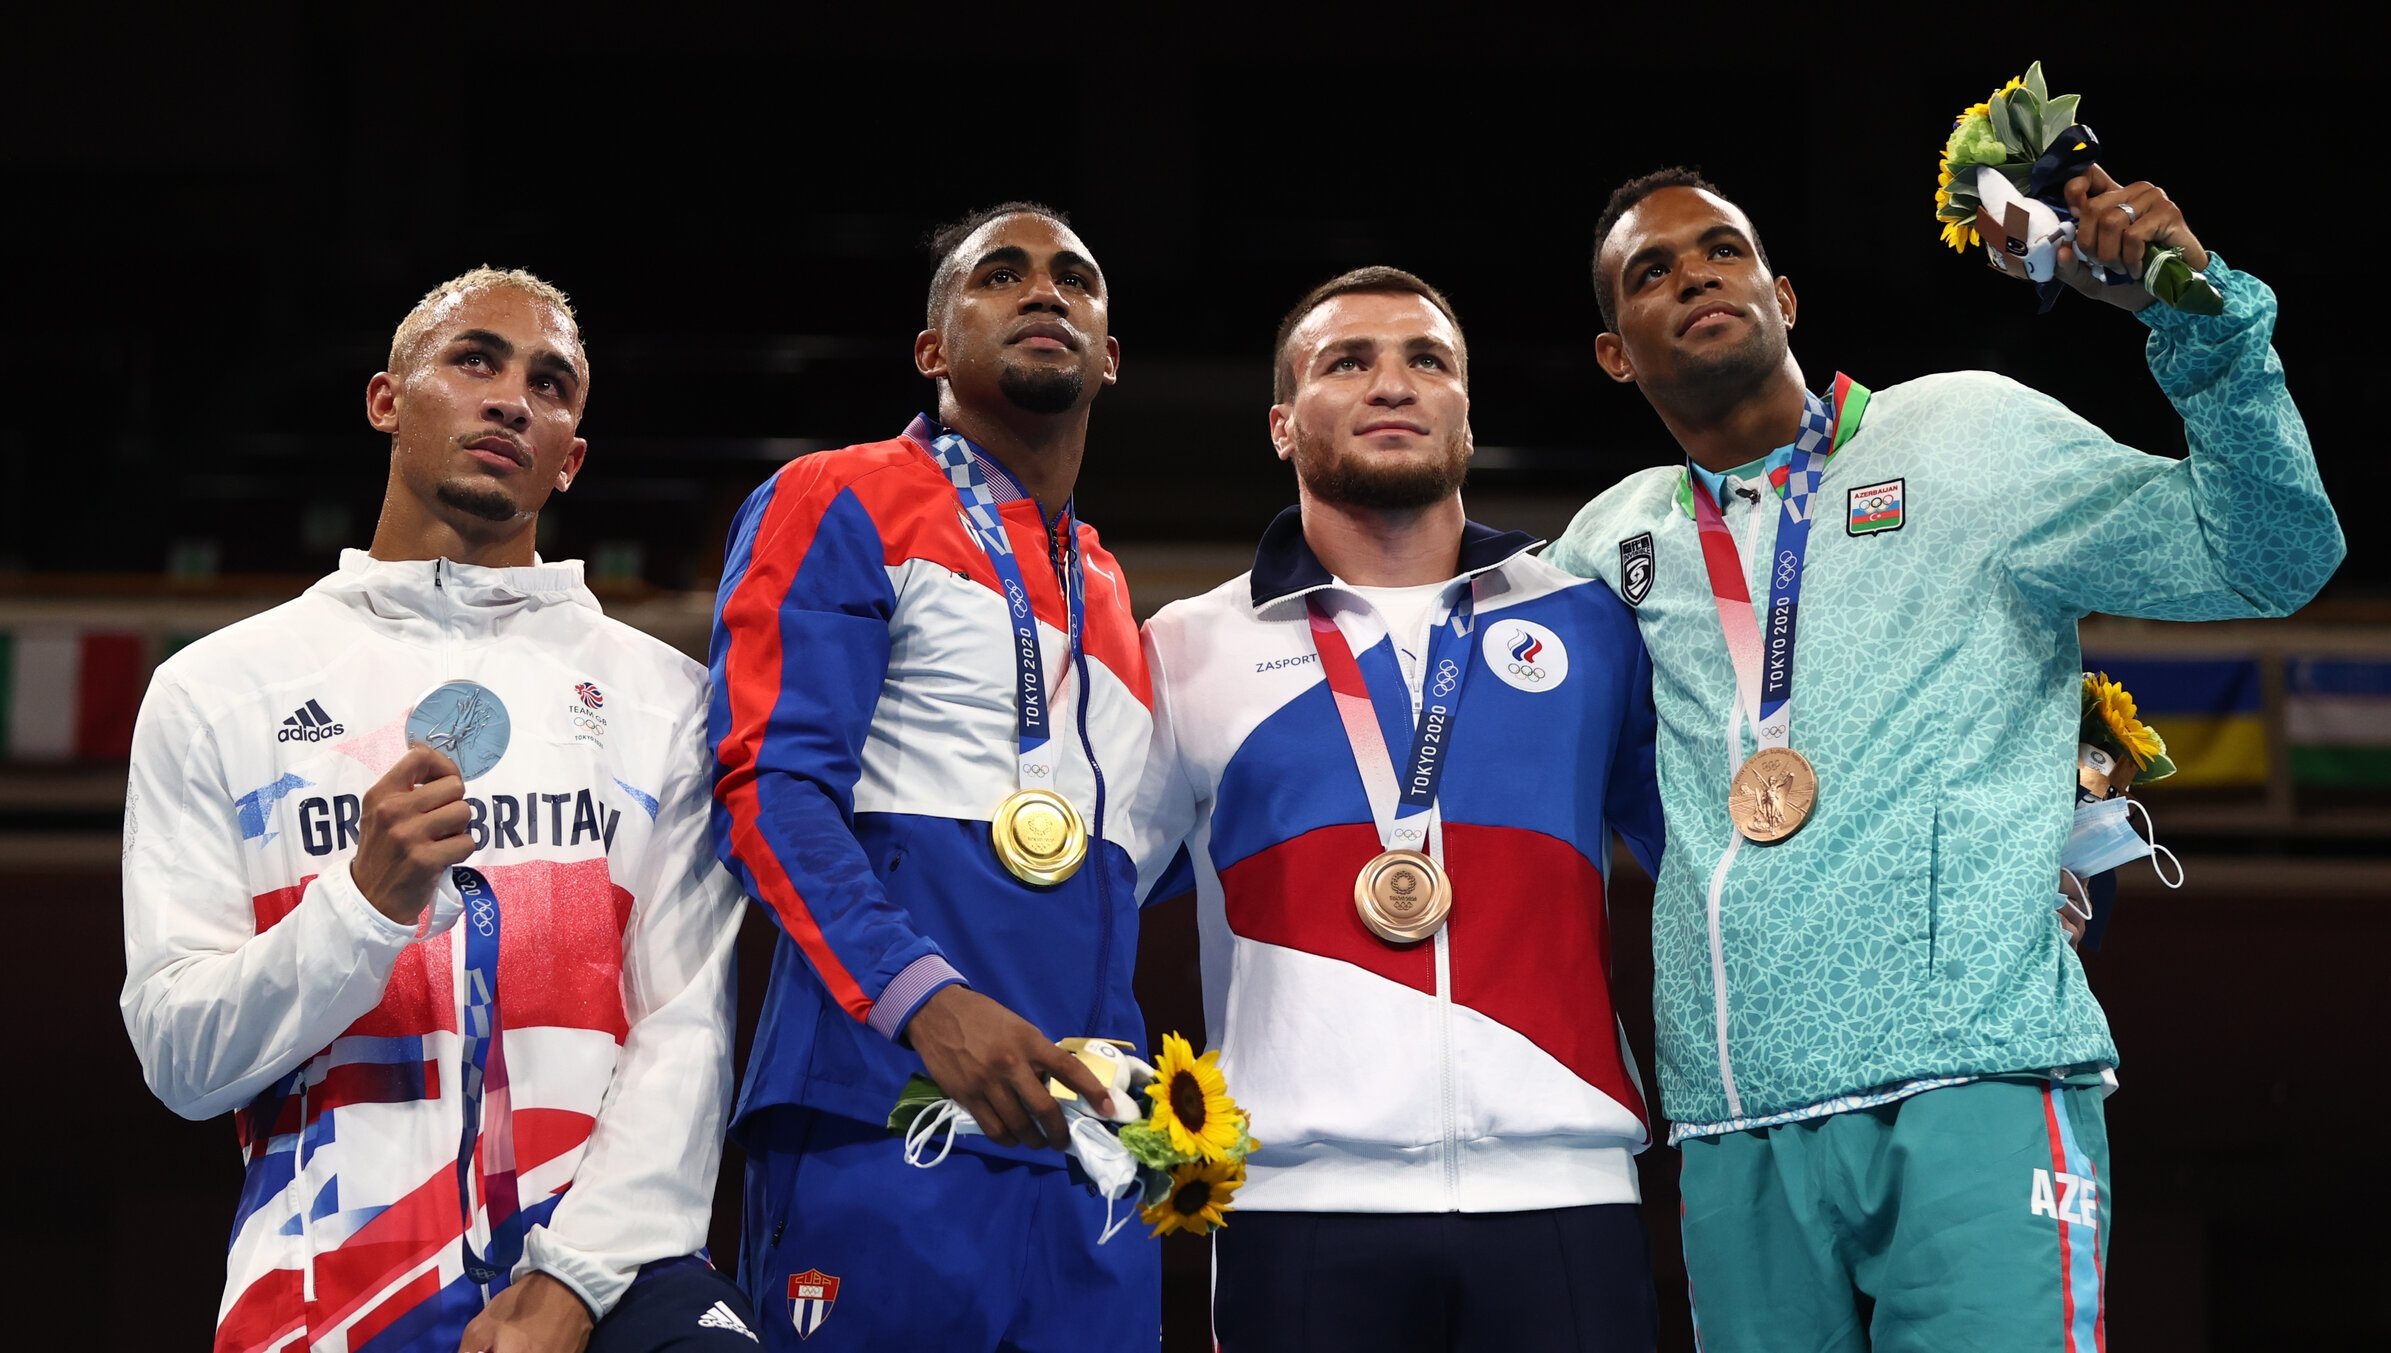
{"x": 492, "y": 449}
{"x": 1045, "y": 336}
{"x": 1379, "y": 425}
{"x": 1707, "y": 312}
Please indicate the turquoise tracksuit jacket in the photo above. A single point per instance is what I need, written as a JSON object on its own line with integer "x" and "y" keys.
{"x": 1908, "y": 932}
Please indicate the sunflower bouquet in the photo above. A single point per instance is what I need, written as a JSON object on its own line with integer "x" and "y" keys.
{"x": 1181, "y": 1151}
{"x": 2114, "y": 748}
{"x": 2004, "y": 174}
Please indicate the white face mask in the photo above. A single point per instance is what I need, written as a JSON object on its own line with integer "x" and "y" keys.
{"x": 2103, "y": 838}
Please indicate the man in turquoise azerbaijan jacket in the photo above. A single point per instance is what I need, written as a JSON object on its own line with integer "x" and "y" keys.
{"x": 1878, "y": 1049}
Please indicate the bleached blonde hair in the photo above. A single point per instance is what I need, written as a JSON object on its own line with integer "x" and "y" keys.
{"x": 405, "y": 342}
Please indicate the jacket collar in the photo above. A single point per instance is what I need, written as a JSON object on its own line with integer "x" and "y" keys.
{"x": 924, "y": 432}
{"x": 444, "y": 586}
{"x": 1284, "y": 565}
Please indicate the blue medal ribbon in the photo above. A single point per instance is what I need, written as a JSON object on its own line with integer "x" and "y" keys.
{"x": 482, "y": 1062}
{"x": 1399, "y": 797}
{"x": 954, "y": 454}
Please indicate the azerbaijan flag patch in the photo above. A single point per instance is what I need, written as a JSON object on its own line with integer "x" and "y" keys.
{"x": 1876, "y": 507}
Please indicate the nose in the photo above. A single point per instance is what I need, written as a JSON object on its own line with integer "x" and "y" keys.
{"x": 1697, "y": 274}
{"x": 1391, "y": 386}
{"x": 1042, "y": 294}
{"x": 508, "y": 404}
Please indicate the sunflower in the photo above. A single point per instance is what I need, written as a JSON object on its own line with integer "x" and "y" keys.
{"x": 1191, "y": 1101}
{"x": 1198, "y": 1200}
{"x": 1961, "y": 236}
{"x": 2116, "y": 709}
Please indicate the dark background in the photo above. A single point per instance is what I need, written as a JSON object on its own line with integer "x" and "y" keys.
{"x": 215, "y": 221}
{"x": 219, "y": 219}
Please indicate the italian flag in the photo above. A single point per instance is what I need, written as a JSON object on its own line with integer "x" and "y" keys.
{"x": 69, "y": 695}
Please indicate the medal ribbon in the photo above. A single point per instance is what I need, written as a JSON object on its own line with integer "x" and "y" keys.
{"x": 486, "y": 1148}
{"x": 1765, "y": 663}
{"x": 953, "y": 452}
{"x": 1404, "y": 810}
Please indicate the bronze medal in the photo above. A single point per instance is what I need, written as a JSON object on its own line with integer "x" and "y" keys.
{"x": 1039, "y": 837}
{"x": 1772, "y": 795}
{"x": 1403, "y": 896}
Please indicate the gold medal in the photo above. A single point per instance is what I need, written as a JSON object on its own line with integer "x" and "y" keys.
{"x": 1772, "y": 795}
{"x": 1038, "y": 836}
{"x": 1403, "y": 896}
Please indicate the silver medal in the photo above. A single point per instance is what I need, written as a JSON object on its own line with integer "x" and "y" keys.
{"x": 464, "y": 721}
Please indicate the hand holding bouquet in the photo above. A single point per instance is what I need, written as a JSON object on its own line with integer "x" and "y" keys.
{"x": 1173, "y": 1137}
{"x": 2018, "y": 173}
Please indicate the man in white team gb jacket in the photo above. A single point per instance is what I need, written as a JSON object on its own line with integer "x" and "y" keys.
{"x": 1394, "y": 753}
{"x": 493, "y": 1132}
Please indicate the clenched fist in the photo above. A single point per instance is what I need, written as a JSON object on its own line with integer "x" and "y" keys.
{"x": 411, "y": 831}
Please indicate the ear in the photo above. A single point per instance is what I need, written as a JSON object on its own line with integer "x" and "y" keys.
{"x": 1785, "y": 299}
{"x": 1611, "y": 355}
{"x": 1282, "y": 430}
{"x": 1112, "y": 359}
{"x": 929, "y": 354}
{"x": 571, "y": 469}
{"x": 381, "y": 402}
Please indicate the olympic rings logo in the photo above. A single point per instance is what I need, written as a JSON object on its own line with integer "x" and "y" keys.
{"x": 1787, "y": 566}
{"x": 1038, "y": 769}
{"x": 1448, "y": 676}
{"x": 1527, "y": 671}
{"x": 1013, "y": 593}
{"x": 485, "y": 916}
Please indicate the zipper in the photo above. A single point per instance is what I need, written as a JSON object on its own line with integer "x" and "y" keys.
{"x": 1448, "y": 1086}
{"x": 1451, "y": 1108}
{"x": 1718, "y": 875}
{"x": 1058, "y": 556}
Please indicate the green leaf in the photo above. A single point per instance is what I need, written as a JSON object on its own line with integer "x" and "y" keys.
{"x": 2034, "y": 81}
{"x": 918, "y": 1095}
{"x": 1153, "y": 1186}
{"x": 2058, "y": 115}
{"x": 2025, "y": 123}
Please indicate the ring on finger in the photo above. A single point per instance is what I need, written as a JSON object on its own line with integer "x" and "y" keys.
{"x": 2128, "y": 209}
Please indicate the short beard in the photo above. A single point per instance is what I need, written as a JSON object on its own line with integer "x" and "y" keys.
{"x": 1724, "y": 379}
{"x": 483, "y": 501}
{"x": 1351, "y": 481}
{"x": 1041, "y": 389}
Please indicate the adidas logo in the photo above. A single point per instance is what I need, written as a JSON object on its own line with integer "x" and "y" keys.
{"x": 309, "y": 723}
{"x": 720, "y": 1316}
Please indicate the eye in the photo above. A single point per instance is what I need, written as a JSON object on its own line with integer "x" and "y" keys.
{"x": 1346, "y": 364}
{"x": 475, "y": 358}
{"x": 996, "y": 275}
{"x": 548, "y": 383}
{"x": 1430, "y": 360}
{"x": 1653, "y": 272}
{"x": 1728, "y": 250}
{"x": 1074, "y": 279}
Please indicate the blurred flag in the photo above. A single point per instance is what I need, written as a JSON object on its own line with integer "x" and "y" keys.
{"x": 69, "y": 695}
{"x": 2337, "y": 718}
